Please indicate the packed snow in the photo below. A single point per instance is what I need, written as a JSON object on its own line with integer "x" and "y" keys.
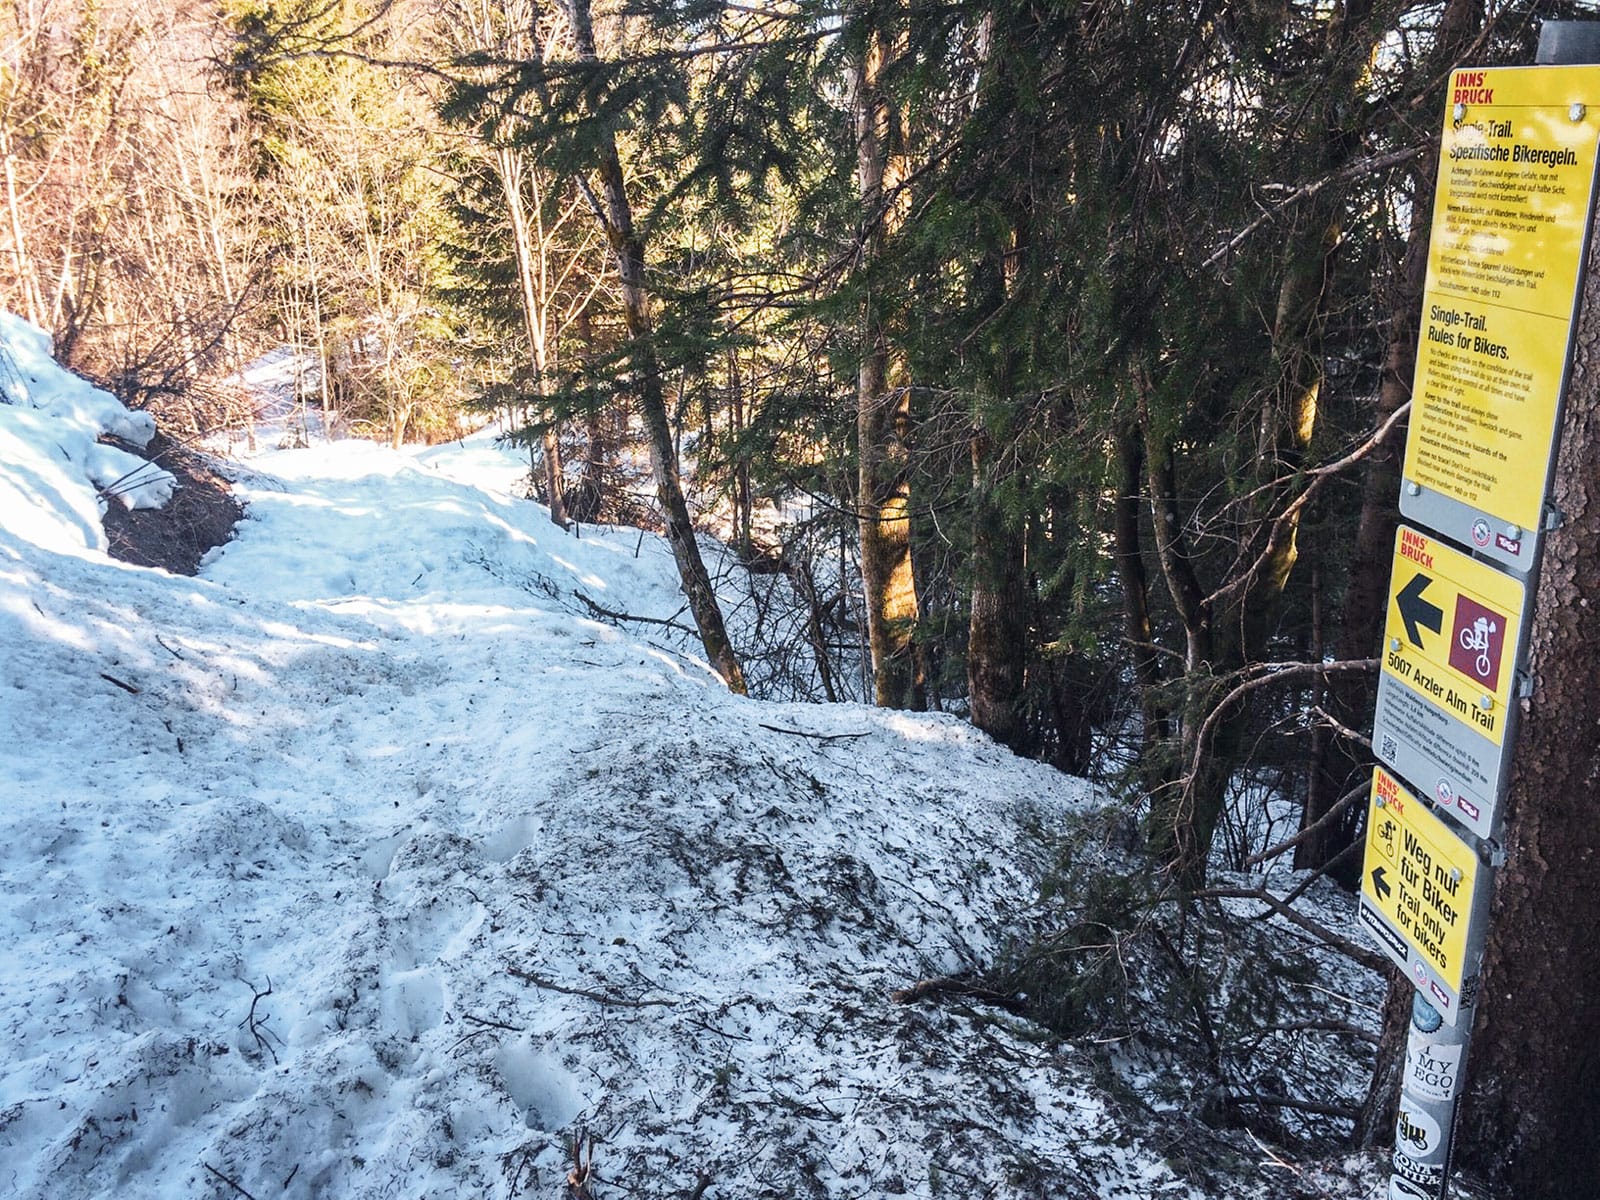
{"x": 371, "y": 863}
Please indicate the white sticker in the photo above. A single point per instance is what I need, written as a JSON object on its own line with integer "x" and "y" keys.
{"x": 1433, "y": 1072}
{"x": 1400, "y": 1189}
{"x": 1416, "y": 1133}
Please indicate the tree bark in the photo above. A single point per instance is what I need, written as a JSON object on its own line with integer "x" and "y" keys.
{"x": 997, "y": 630}
{"x": 1531, "y": 1119}
{"x": 883, "y": 419}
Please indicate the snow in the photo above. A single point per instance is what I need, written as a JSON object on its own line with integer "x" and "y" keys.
{"x": 370, "y": 863}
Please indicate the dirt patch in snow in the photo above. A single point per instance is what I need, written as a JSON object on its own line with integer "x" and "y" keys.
{"x": 199, "y": 517}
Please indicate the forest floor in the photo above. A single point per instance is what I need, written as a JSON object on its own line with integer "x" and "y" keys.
{"x": 369, "y": 862}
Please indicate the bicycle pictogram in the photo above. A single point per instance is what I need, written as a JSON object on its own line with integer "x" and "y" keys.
{"x": 1477, "y": 637}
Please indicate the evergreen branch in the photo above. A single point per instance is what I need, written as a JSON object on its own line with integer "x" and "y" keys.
{"x": 1288, "y": 521}
{"x": 1364, "y": 166}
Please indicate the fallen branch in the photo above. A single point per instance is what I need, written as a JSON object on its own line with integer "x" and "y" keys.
{"x": 1346, "y": 1112}
{"x": 956, "y": 985}
{"x": 612, "y": 615}
{"x": 597, "y": 997}
{"x": 821, "y": 737}
{"x": 127, "y": 687}
{"x": 1328, "y": 1026}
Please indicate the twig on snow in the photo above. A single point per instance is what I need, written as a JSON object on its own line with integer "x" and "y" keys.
{"x": 233, "y": 1183}
{"x": 127, "y": 687}
{"x": 597, "y": 997}
{"x": 258, "y": 1027}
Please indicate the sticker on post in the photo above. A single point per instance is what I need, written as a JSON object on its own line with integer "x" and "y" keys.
{"x": 1433, "y": 1071}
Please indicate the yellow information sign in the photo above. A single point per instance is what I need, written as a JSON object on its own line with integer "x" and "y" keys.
{"x": 1420, "y": 894}
{"x": 1451, "y": 631}
{"x": 1451, "y": 640}
{"x": 1510, "y": 219}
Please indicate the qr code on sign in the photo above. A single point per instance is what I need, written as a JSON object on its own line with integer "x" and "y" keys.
{"x": 1388, "y": 747}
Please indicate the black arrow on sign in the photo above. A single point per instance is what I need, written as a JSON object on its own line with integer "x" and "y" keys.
{"x": 1380, "y": 884}
{"x": 1416, "y": 612}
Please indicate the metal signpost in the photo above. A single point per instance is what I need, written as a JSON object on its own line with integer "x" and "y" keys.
{"x": 1511, "y": 219}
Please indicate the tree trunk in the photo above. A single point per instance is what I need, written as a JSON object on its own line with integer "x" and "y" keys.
{"x": 616, "y": 215}
{"x": 883, "y": 420}
{"x": 997, "y": 632}
{"x": 1531, "y": 1119}
{"x": 1155, "y": 727}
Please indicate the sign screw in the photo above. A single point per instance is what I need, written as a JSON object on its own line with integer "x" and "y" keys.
{"x": 1380, "y": 802}
{"x": 1394, "y": 643}
{"x": 1575, "y": 113}
{"x": 1486, "y": 702}
{"x": 1459, "y": 112}
{"x": 1413, "y": 489}
{"x": 1455, "y": 874}
{"x": 1513, "y": 531}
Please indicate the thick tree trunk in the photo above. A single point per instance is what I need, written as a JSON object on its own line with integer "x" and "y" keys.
{"x": 884, "y": 500}
{"x": 1532, "y": 1115}
{"x": 616, "y": 215}
{"x": 883, "y": 420}
{"x": 997, "y": 633}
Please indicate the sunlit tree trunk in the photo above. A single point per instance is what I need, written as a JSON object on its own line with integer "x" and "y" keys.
{"x": 883, "y": 412}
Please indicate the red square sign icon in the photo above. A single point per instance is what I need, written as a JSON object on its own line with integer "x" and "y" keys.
{"x": 1477, "y": 638}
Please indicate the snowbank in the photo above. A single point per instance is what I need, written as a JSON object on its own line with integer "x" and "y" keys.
{"x": 57, "y": 476}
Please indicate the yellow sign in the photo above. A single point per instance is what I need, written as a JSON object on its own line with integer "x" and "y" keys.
{"x": 1422, "y": 881}
{"x": 1451, "y": 632}
{"x": 1511, "y": 213}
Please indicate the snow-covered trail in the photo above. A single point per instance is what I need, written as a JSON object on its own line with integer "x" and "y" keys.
{"x": 367, "y": 865}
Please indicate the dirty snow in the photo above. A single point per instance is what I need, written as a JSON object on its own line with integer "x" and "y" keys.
{"x": 370, "y": 863}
